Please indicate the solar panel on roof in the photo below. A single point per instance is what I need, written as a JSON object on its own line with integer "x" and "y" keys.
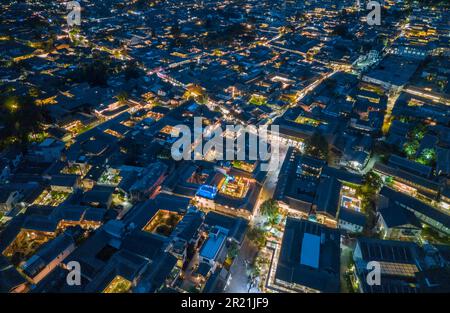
{"x": 399, "y": 269}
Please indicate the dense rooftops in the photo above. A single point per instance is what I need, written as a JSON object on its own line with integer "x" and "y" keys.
{"x": 310, "y": 256}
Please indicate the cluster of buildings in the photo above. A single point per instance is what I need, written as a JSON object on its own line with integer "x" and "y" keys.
{"x": 98, "y": 185}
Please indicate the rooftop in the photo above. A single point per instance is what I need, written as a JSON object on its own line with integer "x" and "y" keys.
{"x": 310, "y": 256}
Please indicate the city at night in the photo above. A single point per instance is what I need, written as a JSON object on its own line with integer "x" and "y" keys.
{"x": 248, "y": 149}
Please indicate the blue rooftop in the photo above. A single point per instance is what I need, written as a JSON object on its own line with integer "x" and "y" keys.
{"x": 207, "y": 191}
{"x": 310, "y": 250}
{"x": 212, "y": 246}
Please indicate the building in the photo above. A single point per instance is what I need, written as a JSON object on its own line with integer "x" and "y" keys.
{"x": 443, "y": 162}
{"x": 396, "y": 223}
{"x": 187, "y": 233}
{"x": 47, "y": 151}
{"x": 8, "y": 198}
{"x": 326, "y": 201}
{"x": 351, "y": 220}
{"x": 148, "y": 181}
{"x": 297, "y": 181}
{"x": 405, "y": 267}
{"x": 385, "y": 76}
{"x": 99, "y": 197}
{"x": 230, "y": 194}
{"x": 236, "y": 226}
{"x": 11, "y": 281}
{"x": 426, "y": 214}
{"x": 408, "y": 182}
{"x": 309, "y": 259}
{"x": 64, "y": 183}
{"x": 48, "y": 257}
{"x": 212, "y": 251}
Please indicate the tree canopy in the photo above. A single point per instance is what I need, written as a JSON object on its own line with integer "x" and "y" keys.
{"x": 270, "y": 208}
{"x": 257, "y": 236}
{"x": 19, "y": 118}
{"x": 317, "y": 146}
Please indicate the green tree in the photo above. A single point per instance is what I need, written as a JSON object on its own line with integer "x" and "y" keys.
{"x": 270, "y": 207}
{"x": 317, "y": 146}
{"x": 233, "y": 250}
{"x": 373, "y": 180}
{"x": 34, "y": 92}
{"x": 132, "y": 70}
{"x": 20, "y": 117}
{"x": 95, "y": 73}
{"x": 427, "y": 157}
{"x": 342, "y": 30}
{"x": 368, "y": 191}
{"x": 257, "y": 236}
{"x": 122, "y": 97}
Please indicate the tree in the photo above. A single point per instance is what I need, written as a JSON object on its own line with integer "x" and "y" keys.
{"x": 175, "y": 30}
{"x": 122, "y": 97}
{"x": 418, "y": 132}
{"x": 317, "y": 146}
{"x": 34, "y": 92}
{"x": 257, "y": 236}
{"x": 270, "y": 208}
{"x": 369, "y": 190}
{"x": 410, "y": 148}
{"x": 20, "y": 117}
{"x": 373, "y": 180}
{"x": 382, "y": 148}
{"x": 342, "y": 30}
{"x": 131, "y": 70}
{"x": 209, "y": 23}
{"x": 95, "y": 72}
{"x": 427, "y": 156}
{"x": 233, "y": 250}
